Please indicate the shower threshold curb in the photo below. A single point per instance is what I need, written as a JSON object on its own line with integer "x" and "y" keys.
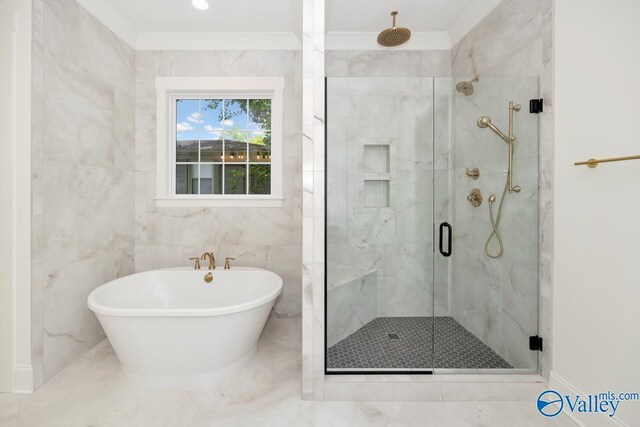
{"x": 434, "y": 388}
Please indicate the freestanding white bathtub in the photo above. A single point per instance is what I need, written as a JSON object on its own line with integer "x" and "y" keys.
{"x": 173, "y": 331}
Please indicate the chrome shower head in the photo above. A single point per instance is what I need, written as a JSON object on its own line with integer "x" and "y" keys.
{"x": 466, "y": 88}
{"x": 484, "y": 122}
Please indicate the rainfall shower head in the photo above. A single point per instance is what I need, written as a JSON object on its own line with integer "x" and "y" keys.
{"x": 466, "y": 88}
{"x": 394, "y": 36}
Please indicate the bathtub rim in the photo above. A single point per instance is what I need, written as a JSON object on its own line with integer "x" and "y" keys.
{"x": 105, "y": 310}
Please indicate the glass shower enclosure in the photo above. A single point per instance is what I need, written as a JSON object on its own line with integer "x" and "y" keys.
{"x": 431, "y": 225}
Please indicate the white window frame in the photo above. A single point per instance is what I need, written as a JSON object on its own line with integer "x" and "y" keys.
{"x": 167, "y": 89}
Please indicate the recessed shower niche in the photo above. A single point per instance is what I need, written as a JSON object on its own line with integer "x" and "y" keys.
{"x": 400, "y": 296}
{"x": 376, "y": 174}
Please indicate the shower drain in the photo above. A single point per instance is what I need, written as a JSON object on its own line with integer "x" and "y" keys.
{"x": 393, "y": 336}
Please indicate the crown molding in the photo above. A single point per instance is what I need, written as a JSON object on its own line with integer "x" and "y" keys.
{"x": 338, "y": 40}
{"x": 218, "y": 41}
{"x": 472, "y": 16}
{"x": 335, "y": 40}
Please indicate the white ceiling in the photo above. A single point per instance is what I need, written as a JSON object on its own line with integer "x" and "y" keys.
{"x": 277, "y": 24}
{"x": 374, "y": 15}
{"x": 222, "y": 15}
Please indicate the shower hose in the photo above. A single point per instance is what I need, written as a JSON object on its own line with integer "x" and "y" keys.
{"x": 496, "y": 224}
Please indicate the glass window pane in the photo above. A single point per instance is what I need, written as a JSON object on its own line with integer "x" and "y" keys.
{"x": 186, "y": 179}
{"x": 235, "y": 114}
{"x": 211, "y": 134}
{"x": 260, "y": 147}
{"x": 260, "y": 179}
{"x": 210, "y": 179}
{"x": 187, "y": 126}
{"x": 235, "y": 145}
{"x": 235, "y": 181}
{"x": 211, "y": 149}
{"x": 260, "y": 114}
{"x": 212, "y": 117}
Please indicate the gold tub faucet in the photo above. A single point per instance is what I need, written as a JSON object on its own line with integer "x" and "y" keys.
{"x": 212, "y": 259}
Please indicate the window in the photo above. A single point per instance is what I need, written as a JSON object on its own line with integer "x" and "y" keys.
{"x": 219, "y": 141}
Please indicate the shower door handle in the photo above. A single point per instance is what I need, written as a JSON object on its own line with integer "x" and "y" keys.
{"x": 446, "y": 225}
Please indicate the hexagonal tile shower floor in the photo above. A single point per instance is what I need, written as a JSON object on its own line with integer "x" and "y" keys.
{"x": 406, "y": 343}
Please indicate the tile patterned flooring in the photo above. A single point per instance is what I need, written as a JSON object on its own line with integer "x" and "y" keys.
{"x": 374, "y": 346}
{"x": 92, "y": 392}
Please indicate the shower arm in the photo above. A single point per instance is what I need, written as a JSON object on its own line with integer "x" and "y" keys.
{"x": 499, "y": 132}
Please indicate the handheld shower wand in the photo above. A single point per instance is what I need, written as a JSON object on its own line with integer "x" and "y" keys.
{"x": 484, "y": 122}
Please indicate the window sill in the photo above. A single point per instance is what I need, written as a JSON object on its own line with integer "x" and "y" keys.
{"x": 220, "y": 202}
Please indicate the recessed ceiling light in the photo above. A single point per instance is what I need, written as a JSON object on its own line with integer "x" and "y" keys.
{"x": 200, "y": 4}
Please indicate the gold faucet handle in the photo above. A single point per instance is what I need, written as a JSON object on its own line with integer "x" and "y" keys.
{"x": 197, "y": 262}
{"x": 227, "y": 266}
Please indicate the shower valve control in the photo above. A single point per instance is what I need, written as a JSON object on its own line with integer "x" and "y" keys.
{"x": 473, "y": 173}
{"x": 475, "y": 197}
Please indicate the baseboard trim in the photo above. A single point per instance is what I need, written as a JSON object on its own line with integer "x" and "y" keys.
{"x": 22, "y": 379}
{"x": 562, "y": 386}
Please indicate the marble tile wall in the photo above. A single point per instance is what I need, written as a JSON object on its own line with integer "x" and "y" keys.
{"x": 393, "y": 119}
{"x": 496, "y": 299}
{"x": 269, "y": 238}
{"x": 516, "y": 40}
{"x": 383, "y": 83}
{"x": 83, "y": 177}
{"x": 351, "y": 304}
{"x": 313, "y": 222}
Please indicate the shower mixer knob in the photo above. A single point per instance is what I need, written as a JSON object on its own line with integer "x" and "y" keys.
{"x": 475, "y": 197}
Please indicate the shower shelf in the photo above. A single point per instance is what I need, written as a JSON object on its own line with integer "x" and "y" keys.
{"x": 377, "y": 177}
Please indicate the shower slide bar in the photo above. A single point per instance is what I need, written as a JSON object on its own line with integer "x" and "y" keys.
{"x": 592, "y": 163}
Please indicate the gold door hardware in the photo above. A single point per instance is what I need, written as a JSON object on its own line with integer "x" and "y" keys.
{"x": 592, "y": 163}
{"x": 475, "y": 198}
{"x": 208, "y": 277}
{"x": 197, "y": 262}
{"x": 227, "y": 266}
{"x": 212, "y": 259}
{"x": 473, "y": 173}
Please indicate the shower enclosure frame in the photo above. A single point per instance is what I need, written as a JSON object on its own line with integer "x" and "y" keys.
{"x": 422, "y": 372}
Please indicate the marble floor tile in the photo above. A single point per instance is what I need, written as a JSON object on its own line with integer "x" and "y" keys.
{"x": 92, "y": 392}
{"x": 9, "y": 404}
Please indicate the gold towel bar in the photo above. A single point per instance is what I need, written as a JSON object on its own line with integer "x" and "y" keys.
{"x": 592, "y": 163}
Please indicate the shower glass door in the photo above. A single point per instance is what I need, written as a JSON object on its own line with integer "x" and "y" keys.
{"x": 379, "y": 225}
{"x": 417, "y": 183}
{"x": 486, "y": 301}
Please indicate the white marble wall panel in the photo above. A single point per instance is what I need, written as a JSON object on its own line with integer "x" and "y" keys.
{"x": 83, "y": 179}
{"x": 351, "y": 304}
{"x": 442, "y": 189}
{"x": 37, "y": 189}
{"x": 514, "y": 40}
{"x": 395, "y": 241}
{"x": 388, "y": 63}
{"x": 313, "y": 223}
{"x": 497, "y": 299}
{"x": 267, "y": 238}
